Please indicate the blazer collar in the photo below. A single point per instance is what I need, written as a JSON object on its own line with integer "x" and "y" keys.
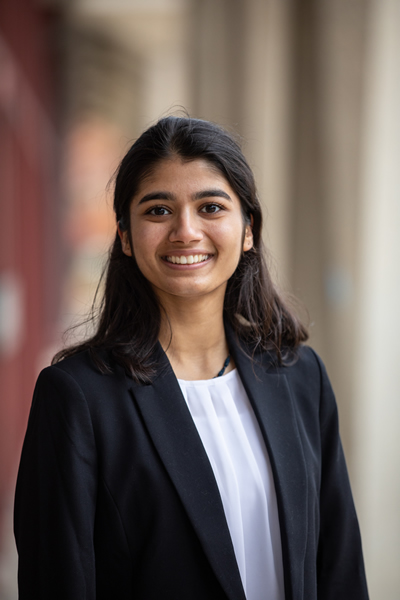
{"x": 178, "y": 443}
{"x": 270, "y": 395}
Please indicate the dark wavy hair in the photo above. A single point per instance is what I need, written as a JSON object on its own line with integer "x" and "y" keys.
{"x": 129, "y": 316}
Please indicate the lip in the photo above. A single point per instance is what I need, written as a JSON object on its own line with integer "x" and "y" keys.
{"x": 193, "y": 252}
{"x": 188, "y": 252}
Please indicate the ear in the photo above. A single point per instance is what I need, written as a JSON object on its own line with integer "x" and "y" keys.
{"x": 248, "y": 236}
{"x": 123, "y": 234}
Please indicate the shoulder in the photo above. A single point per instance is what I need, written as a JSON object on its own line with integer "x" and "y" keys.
{"x": 80, "y": 365}
{"x": 304, "y": 364}
{"x": 74, "y": 400}
{"x": 310, "y": 384}
{"x": 299, "y": 365}
{"x": 83, "y": 365}
{"x": 79, "y": 377}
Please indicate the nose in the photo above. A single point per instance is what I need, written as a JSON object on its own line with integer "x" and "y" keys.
{"x": 185, "y": 227}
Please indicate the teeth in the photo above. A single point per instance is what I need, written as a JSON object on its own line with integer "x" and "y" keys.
{"x": 187, "y": 260}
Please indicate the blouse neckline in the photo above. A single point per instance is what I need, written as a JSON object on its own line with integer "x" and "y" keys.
{"x": 213, "y": 381}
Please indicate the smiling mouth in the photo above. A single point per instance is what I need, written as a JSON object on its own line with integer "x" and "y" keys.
{"x": 187, "y": 260}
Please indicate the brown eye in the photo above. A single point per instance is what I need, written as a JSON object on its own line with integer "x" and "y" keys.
{"x": 158, "y": 211}
{"x": 211, "y": 208}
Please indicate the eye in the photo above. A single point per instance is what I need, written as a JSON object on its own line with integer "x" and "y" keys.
{"x": 158, "y": 211}
{"x": 211, "y": 208}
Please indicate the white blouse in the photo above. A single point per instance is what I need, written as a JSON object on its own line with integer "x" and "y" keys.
{"x": 233, "y": 441}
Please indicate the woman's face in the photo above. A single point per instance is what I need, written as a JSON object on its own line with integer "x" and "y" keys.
{"x": 187, "y": 230}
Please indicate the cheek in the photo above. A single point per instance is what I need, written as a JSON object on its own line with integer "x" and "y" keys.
{"x": 145, "y": 241}
{"x": 229, "y": 238}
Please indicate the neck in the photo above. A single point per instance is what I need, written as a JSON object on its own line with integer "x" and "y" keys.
{"x": 197, "y": 347}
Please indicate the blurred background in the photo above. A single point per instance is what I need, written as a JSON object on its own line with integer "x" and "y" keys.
{"x": 313, "y": 88}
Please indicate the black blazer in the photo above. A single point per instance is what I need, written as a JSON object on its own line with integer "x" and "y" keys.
{"x": 116, "y": 498}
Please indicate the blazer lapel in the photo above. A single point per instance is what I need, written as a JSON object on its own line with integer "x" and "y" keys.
{"x": 270, "y": 396}
{"x": 178, "y": 443}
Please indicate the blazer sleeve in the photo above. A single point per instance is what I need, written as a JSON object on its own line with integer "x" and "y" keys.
{"x": 340, "y": 565}
{"x": 56, "y": 494}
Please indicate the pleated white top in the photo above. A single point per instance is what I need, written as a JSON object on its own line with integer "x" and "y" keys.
{"x": 232, "y": 439}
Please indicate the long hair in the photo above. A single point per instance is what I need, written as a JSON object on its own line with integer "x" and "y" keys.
{"x": 129, "y": 315}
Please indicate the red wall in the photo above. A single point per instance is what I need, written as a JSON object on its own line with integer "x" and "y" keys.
{"x": 29, "y": 208}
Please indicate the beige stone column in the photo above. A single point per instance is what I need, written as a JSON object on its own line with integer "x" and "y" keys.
{"x": 377, "y": 376}
{"x": 329, "y": 59}
{"x": 267, "y": 120}
{"x": 241, "y": 75}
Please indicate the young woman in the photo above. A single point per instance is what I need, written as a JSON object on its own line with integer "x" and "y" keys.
{"x": 190, "y": 449}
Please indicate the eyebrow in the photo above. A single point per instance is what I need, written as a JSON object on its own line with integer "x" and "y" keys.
{"x": 212, "y": 193}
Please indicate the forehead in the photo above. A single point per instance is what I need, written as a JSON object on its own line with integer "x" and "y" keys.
{"x": 182, "y": 175}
